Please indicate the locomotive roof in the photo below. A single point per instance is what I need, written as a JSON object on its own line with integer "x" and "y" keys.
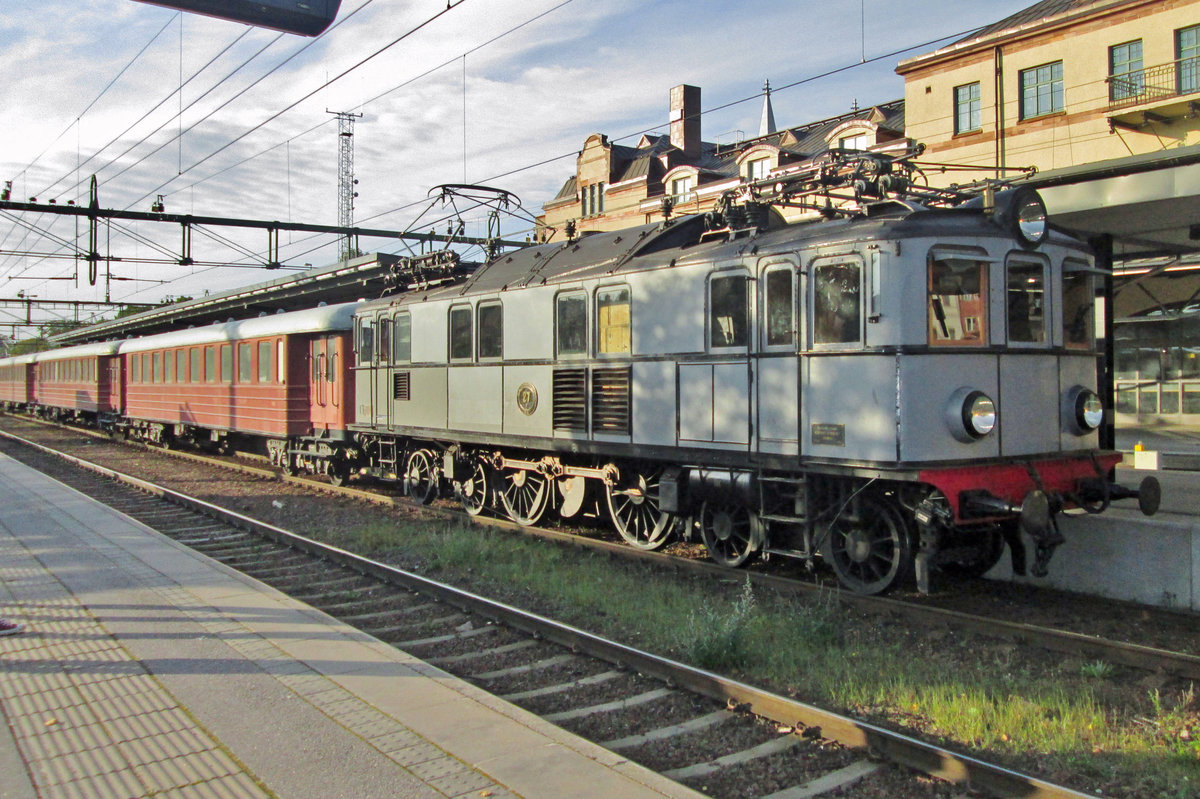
{"x": 309, "y": 320}
{"x": 683, "y": 241}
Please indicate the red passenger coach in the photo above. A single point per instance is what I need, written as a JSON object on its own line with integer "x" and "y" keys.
{"x": 16, "y": 382}
{"x": 75, "y": 382}
{"x": 251, "y": 380}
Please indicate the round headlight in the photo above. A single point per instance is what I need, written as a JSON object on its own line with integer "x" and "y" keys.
{"x": 1084, "y": 410}
{"x": 979, "y": 414}
{"x": 971, "y": 415}
{"x": 1030, "y": 217}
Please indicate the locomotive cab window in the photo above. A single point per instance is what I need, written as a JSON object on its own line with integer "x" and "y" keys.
{"x": 385, "y": 339}
{"x": 957, "y": 300}
{"x": 613, "y": 322}
{"x": 837, "y": 303}
{"x": 728, "y": 311}
{"x": 780, "y": 304}
{"x": 366, "y": 341}
{"x": 460, "y": 333}
{"x": 570, "y": 324}
{"x": 1025, "y": 302}
{"x": 402, "y": 339}
{"x": 1078, "y": 291}
{"x": 490, "y": 328}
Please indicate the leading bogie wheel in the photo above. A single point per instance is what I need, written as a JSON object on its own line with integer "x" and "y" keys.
{"x": 732, "y": 532}
{"x": 873, "y": 553}
{"x": 421, "y": 477}
{"x": 524, "y": 494}
{"x": 633, "y": 504}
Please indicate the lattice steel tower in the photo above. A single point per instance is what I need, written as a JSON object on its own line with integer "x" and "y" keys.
{"x": 346, "y": 181}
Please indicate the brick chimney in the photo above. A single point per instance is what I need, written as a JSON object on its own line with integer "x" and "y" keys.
{"x": 685, "y": 119}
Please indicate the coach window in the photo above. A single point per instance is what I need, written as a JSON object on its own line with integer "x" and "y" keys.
{"x": 613, "y": 321}
{"x": 196, "y": 375}
{"x": 957, "y": 299}
{"x": 147, "y": 368}
{"x": 226, "y": 363}
{"x": 385, "y": 340}
{"x": 366, "y": 341}
{"x": 1025, "y": 294}
{"x": 135, "y": 365}
{"x": 168, "y": 367}
{"x": 245, "y": 365}
{"x": 728, "y": 310}
{"x": 490, "y": 328}
{"x": 780, "y": 304}
{"x": 1079, "y": 297}
{"x": 837, "y": 298}
{"x": 210, "y": 364}
{"x": 570, "y": 324}
{"x": 460, "y": 333}
{"x": 402, "y": 339}
{"x": 266, "y": 361}
{"x": 181, "y": 366}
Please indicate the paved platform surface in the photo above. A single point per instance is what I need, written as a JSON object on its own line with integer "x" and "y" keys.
{"x": 151, "y": 670}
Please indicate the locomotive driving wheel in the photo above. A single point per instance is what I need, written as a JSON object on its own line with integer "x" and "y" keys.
{"x": 872, "y": 553}
{"x": 634, "y": 506}
{"x": 525, "y": 495}
{"x": 473, "y": 491}
{"x": 732, "y": 532}
{"x": 421, "y": 477}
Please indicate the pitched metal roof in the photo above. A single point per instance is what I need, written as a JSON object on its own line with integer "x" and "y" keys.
{"x": 1034, "y": 13}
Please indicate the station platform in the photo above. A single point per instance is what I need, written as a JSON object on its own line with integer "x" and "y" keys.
{"x": 150, "y": 670}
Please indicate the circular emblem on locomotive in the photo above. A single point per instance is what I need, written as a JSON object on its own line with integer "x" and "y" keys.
{"x": 527, "y": 398}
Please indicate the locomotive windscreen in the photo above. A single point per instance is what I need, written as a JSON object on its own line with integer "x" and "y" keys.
{"x": 307, "y": 17}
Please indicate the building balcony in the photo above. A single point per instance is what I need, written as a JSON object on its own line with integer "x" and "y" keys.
{"x": 1160, "y": 93}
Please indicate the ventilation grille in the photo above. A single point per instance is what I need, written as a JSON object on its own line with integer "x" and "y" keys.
{"x": 400, "y": 383}
{"x": 610, "y": 400}
{"x": 570, "y": 400}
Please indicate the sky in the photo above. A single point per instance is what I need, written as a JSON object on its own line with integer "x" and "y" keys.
{"x": 231, "y": 121}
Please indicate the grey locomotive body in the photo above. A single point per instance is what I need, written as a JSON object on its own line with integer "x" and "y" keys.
{"x": 889, "y": 390}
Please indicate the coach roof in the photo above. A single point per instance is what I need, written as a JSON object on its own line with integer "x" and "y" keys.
{"x": 326, "y": 318}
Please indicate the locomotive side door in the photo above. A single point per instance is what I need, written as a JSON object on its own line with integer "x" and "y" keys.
{"x": 714, "y": 393}
{"x": 777, "y": 387}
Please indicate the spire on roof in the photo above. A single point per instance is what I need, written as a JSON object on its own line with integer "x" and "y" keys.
{"x": 767, "y": 123}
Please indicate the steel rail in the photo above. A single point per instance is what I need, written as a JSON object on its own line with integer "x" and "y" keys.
{"x": 853, "y": 733}
{"x": 1139, "y": 656}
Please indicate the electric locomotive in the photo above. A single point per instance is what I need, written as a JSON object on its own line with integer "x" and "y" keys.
{"x": 908, "y": 381}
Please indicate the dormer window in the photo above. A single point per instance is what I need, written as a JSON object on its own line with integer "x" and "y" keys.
{"x": 682, "y": 189}
{"x": 856, "y": 141}
{"x": 758, "y": 168}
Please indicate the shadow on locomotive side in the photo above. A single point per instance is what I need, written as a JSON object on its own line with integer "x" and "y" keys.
{"x": 902, "y": 384}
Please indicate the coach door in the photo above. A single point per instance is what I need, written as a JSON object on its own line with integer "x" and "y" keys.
{"x": 325, "y": 401}
{"x": 714, "y": 393}
{"x": 777, "y": 388}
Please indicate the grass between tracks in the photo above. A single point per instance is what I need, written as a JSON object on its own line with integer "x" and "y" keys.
{"x": 1099, "y": 728}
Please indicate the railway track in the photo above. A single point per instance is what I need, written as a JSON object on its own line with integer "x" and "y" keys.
{"x": 720, "y": 736}
{"x": 1177, "y": 664}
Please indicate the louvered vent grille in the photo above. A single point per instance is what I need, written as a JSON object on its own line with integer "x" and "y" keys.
{"x": 400, "y": 386}
{"x": 610, "y": 400}
{"x": 570, "y": 400}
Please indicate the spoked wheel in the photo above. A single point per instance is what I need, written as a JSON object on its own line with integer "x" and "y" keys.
{"x": 525, "y": 495}
{"x": 339, "y": 472}
{"x": 634, "y": 506}
{"x": 421, "y": 477}
{"x": 473, "y": 491}
{"x": 872, "y": 554}
{"x": 732, "y": 532}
